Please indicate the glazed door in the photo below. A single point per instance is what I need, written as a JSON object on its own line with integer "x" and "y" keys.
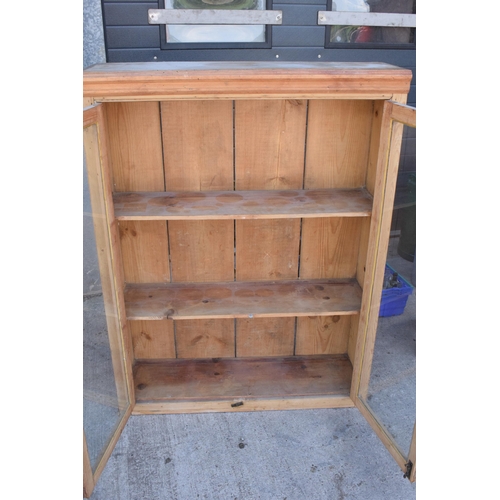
{"x": 107, "y": 388}
{"x": 385, "y": 367}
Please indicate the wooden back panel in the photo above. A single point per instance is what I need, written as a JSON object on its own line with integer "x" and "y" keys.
{"x": 272, "y": 144}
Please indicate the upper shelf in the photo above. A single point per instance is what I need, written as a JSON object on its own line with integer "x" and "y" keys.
{"x": 242, "y": 204}
{"x": 247, "y": 79}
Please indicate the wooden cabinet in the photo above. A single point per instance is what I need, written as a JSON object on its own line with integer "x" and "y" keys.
{"x": 243, "y": 209}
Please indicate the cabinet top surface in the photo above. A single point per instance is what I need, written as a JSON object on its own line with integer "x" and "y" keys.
{"x": 187, "y": 80}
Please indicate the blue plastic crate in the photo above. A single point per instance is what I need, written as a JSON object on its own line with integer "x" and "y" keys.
{"x": 394, "y": 300}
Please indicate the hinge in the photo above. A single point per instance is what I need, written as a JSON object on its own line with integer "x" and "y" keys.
{"x": 409, "y": 467}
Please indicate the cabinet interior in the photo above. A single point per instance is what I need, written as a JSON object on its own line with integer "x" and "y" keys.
{"x": 243, "y": 232}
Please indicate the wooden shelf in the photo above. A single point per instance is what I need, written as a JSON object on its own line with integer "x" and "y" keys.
{"x": 242, "y": 378}
{"x": 269, "y": 204}
{"x": 242, "y": 299}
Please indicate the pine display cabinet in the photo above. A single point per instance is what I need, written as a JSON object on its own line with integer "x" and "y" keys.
{"x": 241, "y": 212}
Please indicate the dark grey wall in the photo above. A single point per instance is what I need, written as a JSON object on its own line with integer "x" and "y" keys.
{"x": 129, "y": 37}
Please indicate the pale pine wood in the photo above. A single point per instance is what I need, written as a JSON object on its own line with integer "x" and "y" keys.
{"x": 269, "y": 155}
{"x": 198, "y": 157}
{"x": 385, "y": 189}
{"x": 277, "y": 404}
{"x": 153, "y": 339}
{"x": 144, "y": 247}
{"x": 276, "y": 204}
{"x": 211, "y": 338}
{"x": 265, "y": 337}
{"x": 241, "y": 300}
{"x": 353, "y": 337}
{"x": 198, "y": 145}
{"x": 363, "y": 250}
{"x": 88, "y": 476}
{"x": 273, "y": 254}
{"x": 108, "y": 252}
{"x": 135, "y": 146}
{"x": 137, "y": 164}
{"x": 338, "y": 134}
{"x": 202, "y": 250}
{"x": 249, "y": 79}
{"x": 373, "y": 157}
{"x": 270, "y": 140}
{"x": 330, "y": 248}
{"x": 327, "y": 335}
{"x": 246, "y": 378}
{"x": 412, "y": 455}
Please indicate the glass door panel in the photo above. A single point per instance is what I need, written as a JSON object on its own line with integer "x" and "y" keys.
{"x": 106, "y": 388}
{"x": 386, "y": 393}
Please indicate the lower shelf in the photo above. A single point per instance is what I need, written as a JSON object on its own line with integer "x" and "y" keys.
{"x": 242, "y": 384}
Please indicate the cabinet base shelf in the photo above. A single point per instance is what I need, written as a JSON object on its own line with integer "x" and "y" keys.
{"x": 218, "y": 384}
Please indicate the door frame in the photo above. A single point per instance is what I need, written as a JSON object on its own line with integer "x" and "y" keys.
{"x": 394, "y": 117}
{"x": 108, "y": 252}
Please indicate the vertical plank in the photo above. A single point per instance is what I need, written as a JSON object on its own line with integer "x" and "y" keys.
{"x": 265, "y": 337}
{"x": 145, "y": 251}
{"x": 269, "y": 154}
{"x": 326, "y": 335}
{"x": 153, "y": 339}
{"x": 137, "y": 165}
{"x": 330, "y": 247}
{"x": 267, "y": 249}
{"x": 135, "y": 146}
{"x": 338, "y": 135}
{"x": 202, "y": 250}
{"x": 213, "y": 338}
{"x": 270, "y": 136}
{"x": 198, "y": 156}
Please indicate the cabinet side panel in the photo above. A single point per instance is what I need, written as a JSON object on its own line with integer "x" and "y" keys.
{"x": 269, "y": 154}
{"x": 198, "y": 156}
{"x": 374, "y": 146}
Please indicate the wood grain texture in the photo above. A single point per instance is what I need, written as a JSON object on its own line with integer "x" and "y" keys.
{"x": 153, "y": 339}
{"x": 242, "y": 299}
{"x": 257, "y": 404}
{"x": 330, "y": 248}
{"x": 327, "y": 335}
{"x": 267, "y": 250}
{"x": 198, "y": 157}
{"x": 212, "y": 379}
{"x": 269, "y": 155}
{"x": 205, "y": 338}
{"x": 108, "y": 252}
{"x": 137, "y": 164}
{"x": 88, "y": 476}
{"x": 135, "y": 146}
{"x": 202, "y": 250}
{"x": 269, "y": 142}
{"x": 265, "y": 337}
{"x": 276, "y": 204}
{"x": 249, "y": 79}
{"x": 338, "y": 135}
{"x": 144, "y": 247}
{"x": 198, "y": 145}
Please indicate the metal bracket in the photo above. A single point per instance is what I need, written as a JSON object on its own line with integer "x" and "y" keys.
{"x": 332, "y": 18}
{"x": 214, "y": 17}
{"x": 409, "y": 467}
